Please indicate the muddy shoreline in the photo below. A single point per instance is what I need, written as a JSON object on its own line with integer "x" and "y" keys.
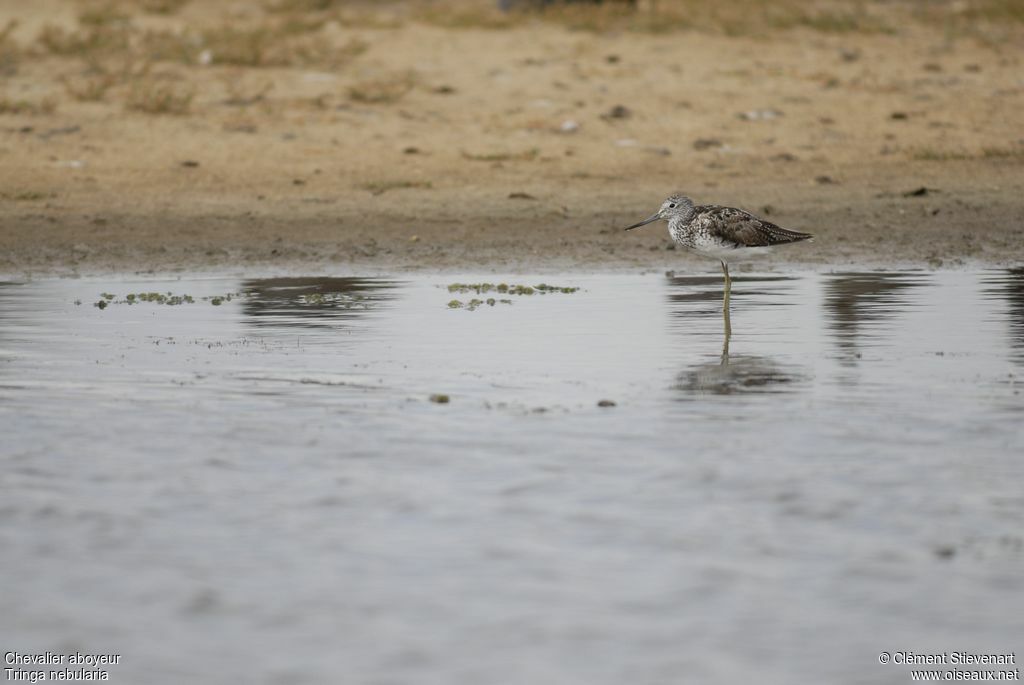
{"x": 980, "y": 225}
{"x": 894, "y": 140}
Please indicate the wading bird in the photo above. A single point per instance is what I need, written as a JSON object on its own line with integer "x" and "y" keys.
{"x": 724, "y": 233}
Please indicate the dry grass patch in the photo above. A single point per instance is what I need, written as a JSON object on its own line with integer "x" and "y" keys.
{"x": 247, "y": 47}
{"x": 164, "y": 7}
{"x": 525, "y": 156}
{"x": 169, "y": 46}
{"x": 994, "y": 23}
{"x": 102, "y": 29}
{"x": 26, "y": 195}
{"x": 739, "y": 17}
{"x": 989, "y": 11}
{"x": 287, "y": 41}
{"x": 928, "y": 154}
{"x": 160, "y": 96}
{"x": 103, "y": 15}
{"x": 936, "y": 155}
{"x": 383, "y": 89}
{"x": 854, "y": 20}
{"x": 381, "y": 187}
{"x": 31, "y": 107}
{"x": 299, "y": 6}
{"x": 85, "y": 42}
{"x": 91, "y": 86}
{"x": 241, "y": 94}
{"x": 285, "y": 44}
{"x": 1002, "y": 153}
{"x": 378, "y": 14}
{"x": 458, "y": 16}
{"x": 99, "y": 78}
{"x": 10, "y": 52}
{"x": 752, "y": 17}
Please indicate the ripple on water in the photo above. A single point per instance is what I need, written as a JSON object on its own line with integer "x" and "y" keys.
{"x": 267, "y": 480}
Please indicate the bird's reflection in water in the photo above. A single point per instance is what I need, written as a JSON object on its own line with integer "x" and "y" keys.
{"x": 707, "y": 290}
{"x": 735, "y": 374}
{"x": 324, "y": 303}
{"x": 1008, "y": 286}
{"x": 730, "y": 374}
{"x": 858, "y": 305}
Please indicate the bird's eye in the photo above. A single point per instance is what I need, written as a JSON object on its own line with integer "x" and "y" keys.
{"x": 672, "y": 205}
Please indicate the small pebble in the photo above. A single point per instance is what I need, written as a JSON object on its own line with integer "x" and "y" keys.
{"x": 917, "y": 192}
{"x": 618, "y": 112}
{"x": 705, "y": 143}
{"x": 760, "y": 114}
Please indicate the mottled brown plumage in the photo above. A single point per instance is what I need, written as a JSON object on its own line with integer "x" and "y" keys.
{"x": 720, "y": 232}
{"x": 725, "y": 233}
{"x": 731, "y": 228}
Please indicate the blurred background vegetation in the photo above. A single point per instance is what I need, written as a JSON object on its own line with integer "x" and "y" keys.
{"x": 119, "y": 45}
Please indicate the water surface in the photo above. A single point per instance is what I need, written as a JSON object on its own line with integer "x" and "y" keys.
{"x": 264, "y": 488}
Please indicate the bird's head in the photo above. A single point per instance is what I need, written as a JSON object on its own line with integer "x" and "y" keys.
{"x": 674, "y": 205}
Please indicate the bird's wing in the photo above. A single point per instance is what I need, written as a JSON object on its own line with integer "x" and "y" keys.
{"x": 743, "y": 229}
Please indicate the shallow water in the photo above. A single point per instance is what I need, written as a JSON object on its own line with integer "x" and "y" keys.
{"x": 262, "y": 490}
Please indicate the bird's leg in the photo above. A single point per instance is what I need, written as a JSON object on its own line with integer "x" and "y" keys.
{"x": 725, "y": 301}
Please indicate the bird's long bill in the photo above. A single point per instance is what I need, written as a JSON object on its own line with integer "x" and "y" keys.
{"x": 653, "y": 217}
